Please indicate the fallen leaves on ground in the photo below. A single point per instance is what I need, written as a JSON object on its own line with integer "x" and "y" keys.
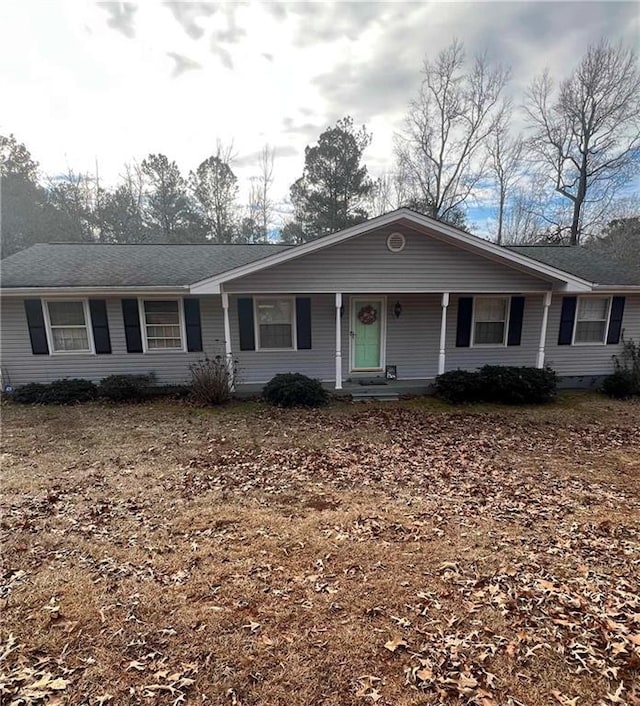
{"x": 377, "y": 554}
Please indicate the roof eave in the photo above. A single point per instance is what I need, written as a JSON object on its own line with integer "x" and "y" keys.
{"x": 617, "y": 288}
{"x": 91, "y": 291}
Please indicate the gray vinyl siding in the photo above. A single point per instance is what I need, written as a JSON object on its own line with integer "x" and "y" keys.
{"x": 260, "y": 366}
{"x": 589, "y": 359}
{"x": 21, "y": 366}
{"x": 476, "y": 356}
{"x": 565, "y": 360}
{"x": 412, "y": 344}
{"x": 364, "y": 264}
{"x": 412, "y": 341}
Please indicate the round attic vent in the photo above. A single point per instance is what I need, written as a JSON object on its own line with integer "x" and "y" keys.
{"x": 396, "y": 242}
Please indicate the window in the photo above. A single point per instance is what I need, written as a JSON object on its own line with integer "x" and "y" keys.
{"x": 275, "y": 323}
{"x": 591, "y": 319}
{"x": 67, "y": 323}
{"x": 490, "y": 321}
{"x": 162, "y": 324}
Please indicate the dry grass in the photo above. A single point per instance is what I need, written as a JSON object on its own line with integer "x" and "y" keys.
{"x": 160, "y": 553}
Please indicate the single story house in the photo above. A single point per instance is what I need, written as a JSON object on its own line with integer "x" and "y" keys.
{"x": 400, "y": 297}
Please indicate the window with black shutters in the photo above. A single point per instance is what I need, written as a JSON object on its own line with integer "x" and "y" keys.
{"x": 275, "y": 322}
{"x": 490, "y": 321}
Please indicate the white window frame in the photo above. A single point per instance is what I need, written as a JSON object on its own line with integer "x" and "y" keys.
{"x": 87, "y": 322}
{"x": 143, "y": 325}
{"x": 606, "y": 325}
{"x": 256, "y": 322}
{"x": 507, "y": 313}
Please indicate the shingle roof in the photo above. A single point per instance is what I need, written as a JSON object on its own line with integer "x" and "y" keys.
{"x": 581, "y": 262}
{"x": 102, "y": 265}
{"x": 157, "y": 265}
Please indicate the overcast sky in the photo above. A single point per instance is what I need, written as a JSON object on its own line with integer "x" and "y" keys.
{"x": 114, "y": 81}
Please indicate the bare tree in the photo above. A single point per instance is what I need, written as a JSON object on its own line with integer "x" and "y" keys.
{"x": 587, "y": 132}
{"x": 384, "y": 196}
{"x": 505, "y": 153}
{"x": 259, "y": 213}
{"x": 522, "y": 222}
{"x": 391, "y": 190}
{"x": 263, "y": 189}
{"x": 443, "y": 147}
{"x": 75, "y": 195}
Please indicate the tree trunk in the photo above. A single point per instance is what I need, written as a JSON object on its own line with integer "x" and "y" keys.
{"x": 500, "y": 217}
{"x": 575, "y": 223}
{"x": 578, "y": 203}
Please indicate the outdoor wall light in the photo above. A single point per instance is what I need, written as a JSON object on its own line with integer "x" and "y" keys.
{"x": 397, "y": 309}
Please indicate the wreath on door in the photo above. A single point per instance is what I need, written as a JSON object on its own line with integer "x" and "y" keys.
{"x": 367, "y": 315}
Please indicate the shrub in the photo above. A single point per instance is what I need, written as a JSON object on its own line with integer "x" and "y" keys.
{"x": 123, "y": 388}
{"x": 294, "y": 390}
{"x": 620, "y": 385}
{"x": 458, "y": 386}
{"x": 624, "y": 382}
{"x": 498, "y": 383}
{"x": 32, "y": 393}
{"x": 517, "y": 385}
{"x": 65, "y": 391}
{"x": 212, "y": 380}
{"x": 68, "y": 391}
{"x": 172, "y": 391}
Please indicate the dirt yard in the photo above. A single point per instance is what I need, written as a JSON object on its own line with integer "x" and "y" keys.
{"x": 395, "y": 554}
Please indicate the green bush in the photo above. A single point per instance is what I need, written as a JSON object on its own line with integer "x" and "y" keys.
{"x": 503, "y": 384}
{"x": 621, "y": 385}
{"x": 212, "y": 380}
{"x": 31, "y": 393}
{"x": 172, "y": 391}
{"x": 124, "y": 388}
{"x": 294, "y": 390}
{"x": 624, "y": 382}
{"x": 458, "y": 387}
{"x": 67, "y": 391}
{"x": 517, "y": 385}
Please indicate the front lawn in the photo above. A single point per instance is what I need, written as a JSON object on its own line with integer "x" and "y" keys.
{"x": 407, "y": 553}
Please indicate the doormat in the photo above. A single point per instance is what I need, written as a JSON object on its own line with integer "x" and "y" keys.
{"x": 374, "y": 381}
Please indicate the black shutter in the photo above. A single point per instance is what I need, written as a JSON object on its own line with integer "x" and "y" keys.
{"x": 516, "y": 314}
{"x": 100, "y": 325}
{"x": 615, "y": 320}
{"x": 245, "y": 324}
{"x": 35, "y": 321}
{"x": 192, "y": 324}
{"x": 131, "y": 316}
{"x": 465, "y": 312}
{"x": 567, "y": 318}
{"x": 303, "y": 322}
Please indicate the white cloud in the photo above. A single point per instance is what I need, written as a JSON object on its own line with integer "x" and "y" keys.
{"x": 85, "y": 82}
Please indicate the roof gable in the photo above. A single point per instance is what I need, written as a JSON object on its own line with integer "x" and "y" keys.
{"x": 366, "y": 264}
{"x": 416, "y": 221}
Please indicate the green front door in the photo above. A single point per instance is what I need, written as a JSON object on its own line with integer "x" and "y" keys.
{"x": 367, "y": 327}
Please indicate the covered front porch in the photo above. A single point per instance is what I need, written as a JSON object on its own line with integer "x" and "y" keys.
{"x": 360, "y": 343}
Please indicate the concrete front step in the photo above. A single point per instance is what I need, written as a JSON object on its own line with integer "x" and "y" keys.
{"x": 374, "y": 393}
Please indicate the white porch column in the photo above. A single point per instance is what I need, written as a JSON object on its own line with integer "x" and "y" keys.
{"x": 443, "y": 333}
{"x": 338, "y": 341}
{"x": 543, "y": 329}
{"x": 227, "y": 334}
